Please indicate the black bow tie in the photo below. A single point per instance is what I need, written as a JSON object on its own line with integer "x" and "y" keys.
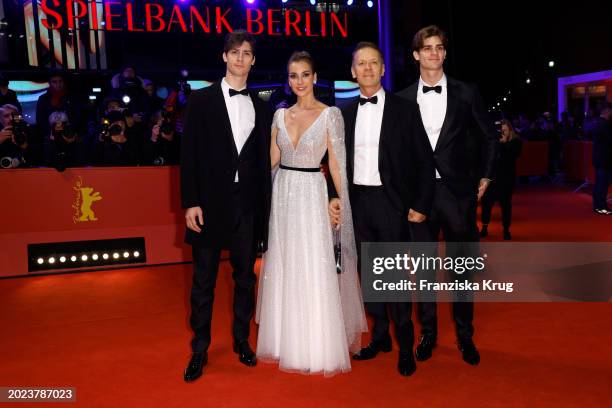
{"x": 363, "y": 101}
{"x": 234, "y": 92}
{"x": 437, "y": 89}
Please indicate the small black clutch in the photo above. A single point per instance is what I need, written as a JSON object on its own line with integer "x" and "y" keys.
{"x": 337, "y": 251}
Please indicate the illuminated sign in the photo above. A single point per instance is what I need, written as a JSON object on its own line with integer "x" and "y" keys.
{"x": 200, "y": 18}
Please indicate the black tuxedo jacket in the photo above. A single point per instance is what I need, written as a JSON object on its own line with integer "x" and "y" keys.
{"x": 209, "y": 160}
{"x": 467, "y": 146}
{"x": 405, "y": 160}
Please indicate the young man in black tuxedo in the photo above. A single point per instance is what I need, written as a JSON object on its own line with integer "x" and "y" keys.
{"x": 391, "y": 181}
{"x": 225, "y": 191}
{"x": 464, "y": 158}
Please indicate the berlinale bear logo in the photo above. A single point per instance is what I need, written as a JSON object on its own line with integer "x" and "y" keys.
{"x": 85, "y": 197}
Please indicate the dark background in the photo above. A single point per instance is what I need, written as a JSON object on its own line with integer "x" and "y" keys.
{"x": 496, "y": 44}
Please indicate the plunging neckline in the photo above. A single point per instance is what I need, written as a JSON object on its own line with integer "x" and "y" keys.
{"x": 305, "y": 131}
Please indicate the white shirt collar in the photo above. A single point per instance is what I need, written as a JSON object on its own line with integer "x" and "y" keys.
{"x": 225, "y": 86}
{"x": 441, "y": 82}
{"x": 380, "y": 94}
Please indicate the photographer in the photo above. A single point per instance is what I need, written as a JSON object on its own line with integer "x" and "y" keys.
{"x": 177, "y": 100}
{"x": 131, "y": 92}
{"x": 63, "y": 148}
{"x": 8, "y": 96}
{"x": 57, "y": 98}
{"x": 113, "y": 147}
{"x": 14, "y": 139}
{"x": 163, "y": 146}
{"x": 502, "y": 188}
{"x": 155, "y": 102}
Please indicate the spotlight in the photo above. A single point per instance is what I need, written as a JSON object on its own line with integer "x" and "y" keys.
{"x": 370, "y": 3}
{"x": 96, "y": 90}
{"x": 250, "y": 1}
{"x": 83, "y": 254}
{"x": 551, "y": 64}
{"x": 126, "y": 99}
{"x": 528, "y": 81}
{"x": 284, "y": 1}
{"x": 349, "y": 2}
{"x": 505, "y": 99}
{"x": 313, "y": 2}
{"x": 92, "y": 97}
{"x": 497, "y": 103}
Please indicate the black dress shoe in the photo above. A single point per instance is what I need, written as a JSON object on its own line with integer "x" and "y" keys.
{"x": 507, "y": 235}
{"x": 372, "y": 349}
{"x": 406, "y": 364}
{"x": 425, "y": 348}
{"x": 196, "y": 364}
{"x": 245, "y": 354}
{"x": 469, "y": 352}
{"x": 484, "y": 232}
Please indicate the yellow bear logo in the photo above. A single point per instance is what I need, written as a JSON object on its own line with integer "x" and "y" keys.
{"x": 88, "y": 198}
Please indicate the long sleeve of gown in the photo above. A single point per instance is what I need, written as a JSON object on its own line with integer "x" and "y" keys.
{"x": 350, "y": 290}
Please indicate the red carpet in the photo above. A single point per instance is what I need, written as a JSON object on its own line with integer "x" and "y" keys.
{"x": 122, "y": 339}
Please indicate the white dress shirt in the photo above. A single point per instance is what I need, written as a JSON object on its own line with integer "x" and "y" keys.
{"x": 367, "y": 138}
{"x": 241, "y": 115}
{"x": 433, "y": 110}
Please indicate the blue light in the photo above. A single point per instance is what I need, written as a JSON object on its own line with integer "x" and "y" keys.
{"x": 349, "y": 2}
{"x": 370, "y": 3}
{"x": 313, "y": 2}
{"x": 250, "y": 1}
{"x": 284, "y": 1}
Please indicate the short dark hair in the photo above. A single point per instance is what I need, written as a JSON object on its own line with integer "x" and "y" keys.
{"x": 236, "y": 38}
{"x": 302, "y": 56}
{"x": 427, "y": 32}
{"x": 368, "y": 44}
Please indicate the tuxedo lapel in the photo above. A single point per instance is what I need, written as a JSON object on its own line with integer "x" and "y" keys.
{"x": 350, "y": 139}
{"x": 451, "y": 109}
{"x": 385, "y": 129}
{"x": 223, "y": 115}
{"x": 412, "y": 92}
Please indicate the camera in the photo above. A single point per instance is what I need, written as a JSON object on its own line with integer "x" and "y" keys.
{"x": 61, "y": 154}
{"x": 184, "y": 87}
{"x": 110, "y": 127}
{"x": 20, "y": 129}
{"x": 9, "y": 162}
{"x": 167, "y": 125}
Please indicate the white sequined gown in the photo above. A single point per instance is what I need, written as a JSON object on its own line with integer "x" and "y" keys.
{"x": 309, "y": 316}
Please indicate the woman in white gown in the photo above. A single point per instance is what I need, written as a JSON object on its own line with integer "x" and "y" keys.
{"x": 309, "y": 316}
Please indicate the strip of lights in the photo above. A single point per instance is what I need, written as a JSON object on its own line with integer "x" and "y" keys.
{"x": 85, "y": 254}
